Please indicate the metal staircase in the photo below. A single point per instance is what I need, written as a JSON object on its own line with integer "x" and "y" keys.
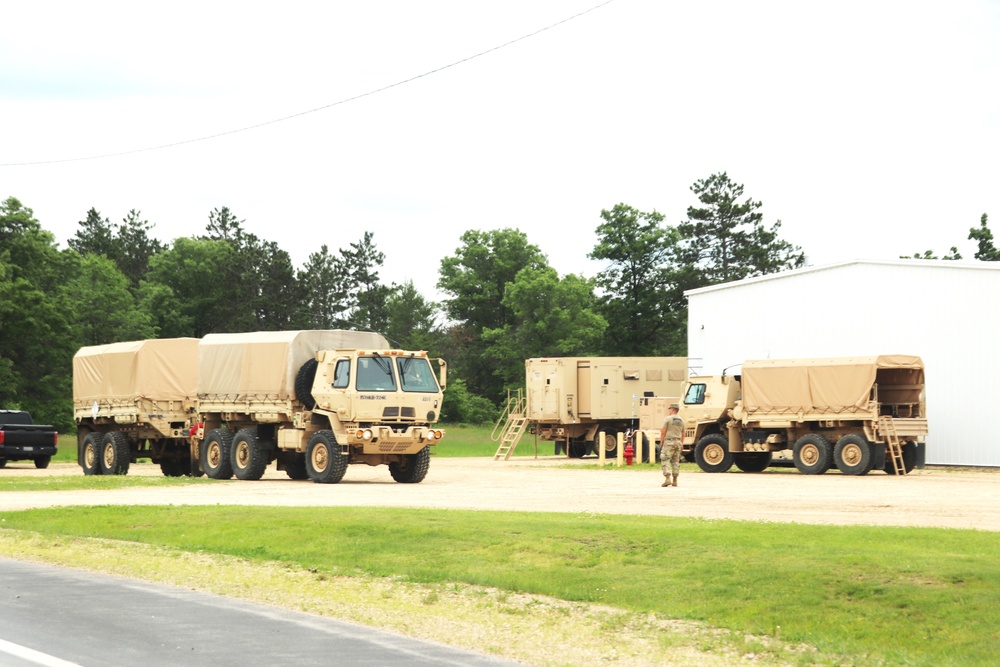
{"x": 511, "y": 425}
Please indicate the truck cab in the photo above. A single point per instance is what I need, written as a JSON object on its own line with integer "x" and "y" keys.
{"x": 706, "y": 405}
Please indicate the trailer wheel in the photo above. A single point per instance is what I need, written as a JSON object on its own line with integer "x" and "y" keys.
{"x": 413, "y": 469}
{"x": 752, "y": 461}
{"x": 653, "y": 455}
{"x": 811, "y": 454}
{"x": 249, "y": 455}
{"x": 909, "y": 459}
{"x": 324, "y": 462}
{"x": 304, "y": 382}
{"x": 114, "y": 453}
{"x": 853, "y": 455}
{"x": 215, "y": 453}
{"x": 296, "y": 469}
{"x": 90, "y": 460}
{"x": 712, "y": 453}
{"x": 577, "y": 449}
{"x": 172, "y": 468}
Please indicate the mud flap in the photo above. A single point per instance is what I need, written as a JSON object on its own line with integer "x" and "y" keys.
{"x": 878, "y": 451}
{"x": 921, "y": 453}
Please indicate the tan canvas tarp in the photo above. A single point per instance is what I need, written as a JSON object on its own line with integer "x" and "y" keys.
{"x": 264, "y": 363}
{"x": 160, "y": 369}
{"x": 827, "y": 385}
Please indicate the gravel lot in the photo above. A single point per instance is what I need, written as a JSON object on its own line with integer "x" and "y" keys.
{"x": 943, "y": 497}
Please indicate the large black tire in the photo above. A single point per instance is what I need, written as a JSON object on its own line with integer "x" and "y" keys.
{"x": 812, "y": 454}
{"x": 42, "y": 461}
{"x": 304, "y": 382}
{"x": 3, "y": 462}
{"x": 172, "y": 468}
{"x": 909, "y": 459}
{"x": 712, "y": 453}
{"x": 413, "y": 469}
{"x": 90, "y": 460}
{"x": 114, "y": 453}
{"x": 752, "y": 461}
{"x": 249, "y": 455}
{"x": 650, "y": 452}
{"x": 577, "y": 449}
{"x": 296, "y": 469}
{"x": 853, "y": 455}
{"x": 325, "y": 464}
{"x": 216, "y": 458}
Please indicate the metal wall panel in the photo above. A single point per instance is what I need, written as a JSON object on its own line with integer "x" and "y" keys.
{"x": 943, "y": 311}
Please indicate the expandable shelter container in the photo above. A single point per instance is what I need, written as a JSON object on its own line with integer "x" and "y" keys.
{"x": 935, "y": 309}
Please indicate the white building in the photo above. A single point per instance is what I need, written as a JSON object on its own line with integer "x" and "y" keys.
{"x": 946, "y": 312}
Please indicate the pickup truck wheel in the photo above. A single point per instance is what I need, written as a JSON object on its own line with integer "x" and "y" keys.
{"x": 90, "y": 460}
{"x": 114, "y": 454}
{"x": 325, "y": 464}
{"x": 42, "y": 461}
{"x": 752, "y": 461}
{"x": 909, "y": 459}
{"x": 853, "y": 455}
{"x": 303, "y": 384}
{"x": 413, "y": 469}
{"x": 249, "y": 455}
{"x": 712, "y": 453}
{"x": 215, "y": 457}
{"x": 811, "y": 454}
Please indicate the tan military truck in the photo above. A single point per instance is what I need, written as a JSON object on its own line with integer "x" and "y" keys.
{"x": 315, "y": 401}
{"x": 855, "y": 413}
{"x": 571, "y": 400}
{"x": 135, "y": 400}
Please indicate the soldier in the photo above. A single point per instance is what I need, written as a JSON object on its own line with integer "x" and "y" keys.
{"x": 670, "y": 447}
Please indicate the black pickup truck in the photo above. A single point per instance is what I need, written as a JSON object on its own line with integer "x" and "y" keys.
{"x": 21, "y": 439}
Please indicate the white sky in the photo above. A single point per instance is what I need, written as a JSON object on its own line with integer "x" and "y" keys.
{"x": 870, "y": 129}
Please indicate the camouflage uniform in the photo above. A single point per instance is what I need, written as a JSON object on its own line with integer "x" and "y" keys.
{"x": 670, "y": 449}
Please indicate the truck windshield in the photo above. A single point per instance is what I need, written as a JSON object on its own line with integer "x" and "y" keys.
{"x": 695, "y": 395}
{"x": 375, "y": 374}
{"x": 415, "y": 375}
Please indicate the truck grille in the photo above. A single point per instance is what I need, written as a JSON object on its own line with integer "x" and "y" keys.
{"x": 396, "y": 412}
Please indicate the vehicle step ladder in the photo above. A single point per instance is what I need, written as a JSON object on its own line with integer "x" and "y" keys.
{"x": 511, "y": 425}
{"x": 887, "y": 428}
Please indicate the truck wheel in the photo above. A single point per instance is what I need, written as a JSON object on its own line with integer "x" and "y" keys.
{"x": 114, "y": 453}
{"x": 296, "y": 469}
{"x": 811, "y": 454}
{"x": 171, "y": 468}
{"x": 91, "y": 454}
{"x": 853, "y": 455}
{"x": 413, "y": 469}
{"x": 752, "y": 461}
{"x": 610, "y": 444}
{"x": 712, "y": 453}
{"x": 577, "y": 449}
{"x": 215, "y": 453}
{"x": 324, "y": 462}
{"x": 249, "y": 455}
{"x": 304, "y": 382}
{"x": 909, "y": 459}
{"x": 651, "y": 451}
{"x": 42, "y": 461}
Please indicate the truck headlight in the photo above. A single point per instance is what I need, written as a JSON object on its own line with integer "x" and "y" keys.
{"x": 363, "y": 434}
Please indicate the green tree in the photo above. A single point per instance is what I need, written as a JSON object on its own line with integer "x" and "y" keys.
{"x": 94, "y": 237}
{"x": 369, "y": 295}
{"x": 725, "y": 239}
{"x": 128, "y": 244}
{"x": 412, "y": 321}
{"x": 323, "y": 279}
{"x": 644, "y": 304}
{"x": 986, "y": 251}
{"x": 476, "y": 279}
{"x": 929, "y": 254}
{"x": 550, "y": 317}
{"x": 104, "y": 308}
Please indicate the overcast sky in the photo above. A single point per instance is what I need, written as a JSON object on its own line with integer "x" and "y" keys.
{"x": 870, "y": 129}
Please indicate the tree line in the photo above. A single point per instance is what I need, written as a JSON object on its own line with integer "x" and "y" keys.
{"x": 503, "y": 302}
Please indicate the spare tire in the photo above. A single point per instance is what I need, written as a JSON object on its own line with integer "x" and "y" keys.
{"x": 304, "y": 382}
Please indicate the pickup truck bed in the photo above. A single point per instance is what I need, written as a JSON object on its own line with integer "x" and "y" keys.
{"x": 21, "y": 439}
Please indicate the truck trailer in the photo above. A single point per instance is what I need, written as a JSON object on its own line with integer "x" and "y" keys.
{"x": 855, "y": 413}
{"x": 572, "y": 400}
{"x": 313, "y": 401}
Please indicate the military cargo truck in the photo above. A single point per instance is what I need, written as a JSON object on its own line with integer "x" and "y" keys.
{"x": 856, "y": 413}
{"x": 230, "y": 404}
{"x": 315, "y": 401}
{"x": 135, "y": 400}
{"x": 571, "y": 400}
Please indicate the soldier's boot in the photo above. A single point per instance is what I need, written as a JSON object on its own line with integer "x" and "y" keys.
{"x": 666, "y": 481}
{"x": 675, "y": 480}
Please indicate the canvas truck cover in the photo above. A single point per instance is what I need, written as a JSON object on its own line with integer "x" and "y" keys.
{"x": 829, "y": 385}
{"x": 159, "y": 369}
{"x": 265, "y": 363}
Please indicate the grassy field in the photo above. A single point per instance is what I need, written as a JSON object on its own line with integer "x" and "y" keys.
{"x": 859, "y": 595}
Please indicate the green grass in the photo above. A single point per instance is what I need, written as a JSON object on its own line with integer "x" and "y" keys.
{"x": 863, "y": 595}
{"x": 462, "y": 440}
{"x": 80, "y": 481}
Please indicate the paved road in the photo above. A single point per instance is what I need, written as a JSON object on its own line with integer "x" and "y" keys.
{"x": 60, "y": 617}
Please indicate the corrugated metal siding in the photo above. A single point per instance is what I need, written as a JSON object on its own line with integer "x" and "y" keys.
{"x": 942, "y": 311}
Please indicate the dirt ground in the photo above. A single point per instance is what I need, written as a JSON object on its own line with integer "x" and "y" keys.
{"x": 942, "y": 497}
